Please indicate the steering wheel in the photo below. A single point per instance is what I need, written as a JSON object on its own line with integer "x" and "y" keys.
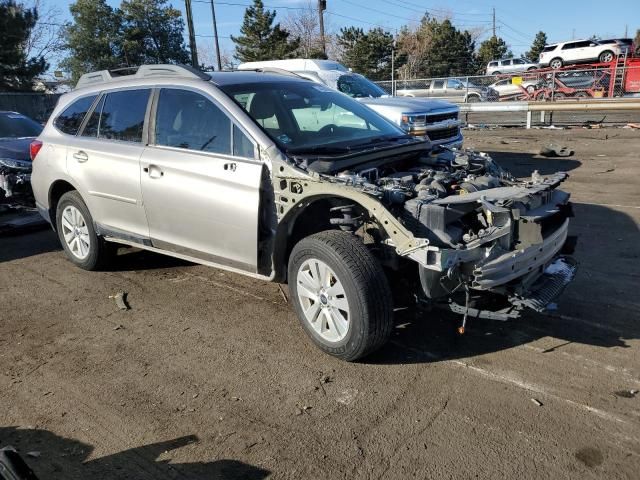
{"x": 330, "y": 128}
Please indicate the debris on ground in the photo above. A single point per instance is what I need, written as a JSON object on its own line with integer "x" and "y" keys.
{"x": 626, "y": 393}
{"x": 284, "y": 295}
{"x": 553, "y": 150}
{"x": 537, "y": 402}
{"x": 632, "y": 125}
{"x": 121, "y": 300}
{"x": 34, "y": 454}
{"x": 347, "y": 396}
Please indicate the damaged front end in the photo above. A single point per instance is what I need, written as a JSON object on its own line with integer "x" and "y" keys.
{"x": 488, "y": 245}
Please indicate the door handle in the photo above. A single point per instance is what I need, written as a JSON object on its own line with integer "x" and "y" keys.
{"x": 153, "y": 171}
{"x": 231, "y": 167}
{"x": 81, "y": 156}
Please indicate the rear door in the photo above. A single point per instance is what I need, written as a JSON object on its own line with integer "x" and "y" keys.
{"x": 201, "y": 181}
{"x": 506, "y": 66}
{"x": 103, "y": 159}
{"x": 437, "y": 89}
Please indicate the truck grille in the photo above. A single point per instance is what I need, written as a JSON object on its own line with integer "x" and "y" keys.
{"x": 443, "y": 133}
{"x": 441, "y": 117}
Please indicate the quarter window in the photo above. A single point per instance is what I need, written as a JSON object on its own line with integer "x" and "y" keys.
{"x": 242, "y": 146}
{"x": 71, "y": 118}
{"x": 187, "y": 119}
{"x": 122, "y": 116}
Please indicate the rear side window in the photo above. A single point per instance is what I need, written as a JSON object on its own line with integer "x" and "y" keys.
{"x": 549, "y": 48}
{"x": 122, "y": 115}
{"x": 71, "y": 118}
{"x": 438, "y": 84}
{"x": 493, "y": 64}
{"x": 189, "y": 120}
{"x": 569, "y": 46}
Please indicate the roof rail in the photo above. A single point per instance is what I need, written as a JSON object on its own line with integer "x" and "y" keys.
{"x": 143, "y": 71}
{"x": 279, "y": 71}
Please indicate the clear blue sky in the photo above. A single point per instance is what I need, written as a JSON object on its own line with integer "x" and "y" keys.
{"x": 516, "y": 21}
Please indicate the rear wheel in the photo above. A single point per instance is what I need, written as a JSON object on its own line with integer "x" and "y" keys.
{"x": 556, "y": 63}
{"x": 340, "y": 294}
{"x": 473, "y": 98}
{"x": 75, "y": 229}
{"x": 606, "y": 56}
{"x": 559, "y": 96}
{"x": 581, "y": 95}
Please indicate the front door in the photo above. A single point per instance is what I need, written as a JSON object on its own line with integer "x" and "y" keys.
{"x": 201, "y": 182}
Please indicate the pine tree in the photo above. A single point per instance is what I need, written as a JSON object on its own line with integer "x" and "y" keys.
{"x": 260, "y": 39}
{"x": 450, "y": 52}
{"x": 93, "y": 39}
{"x": 536, "y": 47}
{"x": 16, "y": 70}
{"x": 153, "y": 32}
{"x": 367, "y": 53}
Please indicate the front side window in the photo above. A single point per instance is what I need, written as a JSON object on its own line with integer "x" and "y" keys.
{"x": 304, "y": 115}
{"x": 456, "y": 84}
{"x": 187, "y": 119}
{"x": 518, "y": 61}
{"x": 359, "y": 87}
{"x": 122, "y": 116}
{"x": 242, "y": 146}
{"x": 70, "y": 119}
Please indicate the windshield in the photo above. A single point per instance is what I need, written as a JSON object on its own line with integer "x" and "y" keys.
{"x": 359, "y": 87}
{"x": 302, "y": 116}
{"x": 15, "y": 125}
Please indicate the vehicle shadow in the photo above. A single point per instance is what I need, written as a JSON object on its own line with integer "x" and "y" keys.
{"x": 521, "y": 164}
{"x": 132, "y": 259}
{"x": 58, "y": 457}
{"x": 600, "y": 308}
{"x": 21, "y": 246}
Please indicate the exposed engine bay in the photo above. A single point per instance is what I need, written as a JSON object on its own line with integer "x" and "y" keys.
{"x": 485, "y": 230}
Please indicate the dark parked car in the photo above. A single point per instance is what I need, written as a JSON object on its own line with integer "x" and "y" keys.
{"x": 16, "y": 134}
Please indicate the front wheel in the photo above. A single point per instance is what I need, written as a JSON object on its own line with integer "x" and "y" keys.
{"x": 76, "y": 233}
{"x": 473, "y": 98}
{"x": 340, "y": 294}
{"x": 606, "y": 57}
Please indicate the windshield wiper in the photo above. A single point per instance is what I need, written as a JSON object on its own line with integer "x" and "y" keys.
{"x": 320, "y": 149}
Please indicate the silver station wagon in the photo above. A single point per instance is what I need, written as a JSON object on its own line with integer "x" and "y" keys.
{"x": 286, "y": 180}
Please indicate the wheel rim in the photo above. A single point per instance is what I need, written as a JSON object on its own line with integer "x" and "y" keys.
{"x": 75, "y": 232}
{"x": 556, "y": 64}
{"x": 607, "y": 57}
{"x": 323, "y": 300}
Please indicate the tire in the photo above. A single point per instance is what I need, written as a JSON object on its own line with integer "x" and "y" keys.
{"x": 559, "y": 95}
{"x": 531, "y": 68}
{"x": 83, "y": 246}
{"x": 473, "y": 98}
{"x": 556, "y": 63}
{"x": 495, "y": 73}
{"x": 581, "y": 95}
{"x": 358, "y": 301}
{"x": 606, "y": 56}
{"x": 530, "y": 89}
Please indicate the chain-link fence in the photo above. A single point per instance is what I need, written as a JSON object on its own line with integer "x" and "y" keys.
{"x": 540, "y": 85}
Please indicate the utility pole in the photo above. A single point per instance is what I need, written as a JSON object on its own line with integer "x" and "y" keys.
{"x": 494, "y": 22}
{"x": 215, "y": 35}
{"x": 322, "y": 6}
{"x": 192, "y": 35}
{"x": 625, "y": 30}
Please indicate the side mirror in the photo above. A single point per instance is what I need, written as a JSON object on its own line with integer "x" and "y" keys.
{"x": 459, "y": 86}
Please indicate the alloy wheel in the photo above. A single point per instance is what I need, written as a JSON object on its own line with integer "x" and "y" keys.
{"x": 75, "y": 232}
{"x": 323, "y": 300}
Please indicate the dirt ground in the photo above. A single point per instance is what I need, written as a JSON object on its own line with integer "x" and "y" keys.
{"x": 210, "y": 376}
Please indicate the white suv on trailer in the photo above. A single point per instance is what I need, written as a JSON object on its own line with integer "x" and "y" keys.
{"x": 578, "y": 51}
